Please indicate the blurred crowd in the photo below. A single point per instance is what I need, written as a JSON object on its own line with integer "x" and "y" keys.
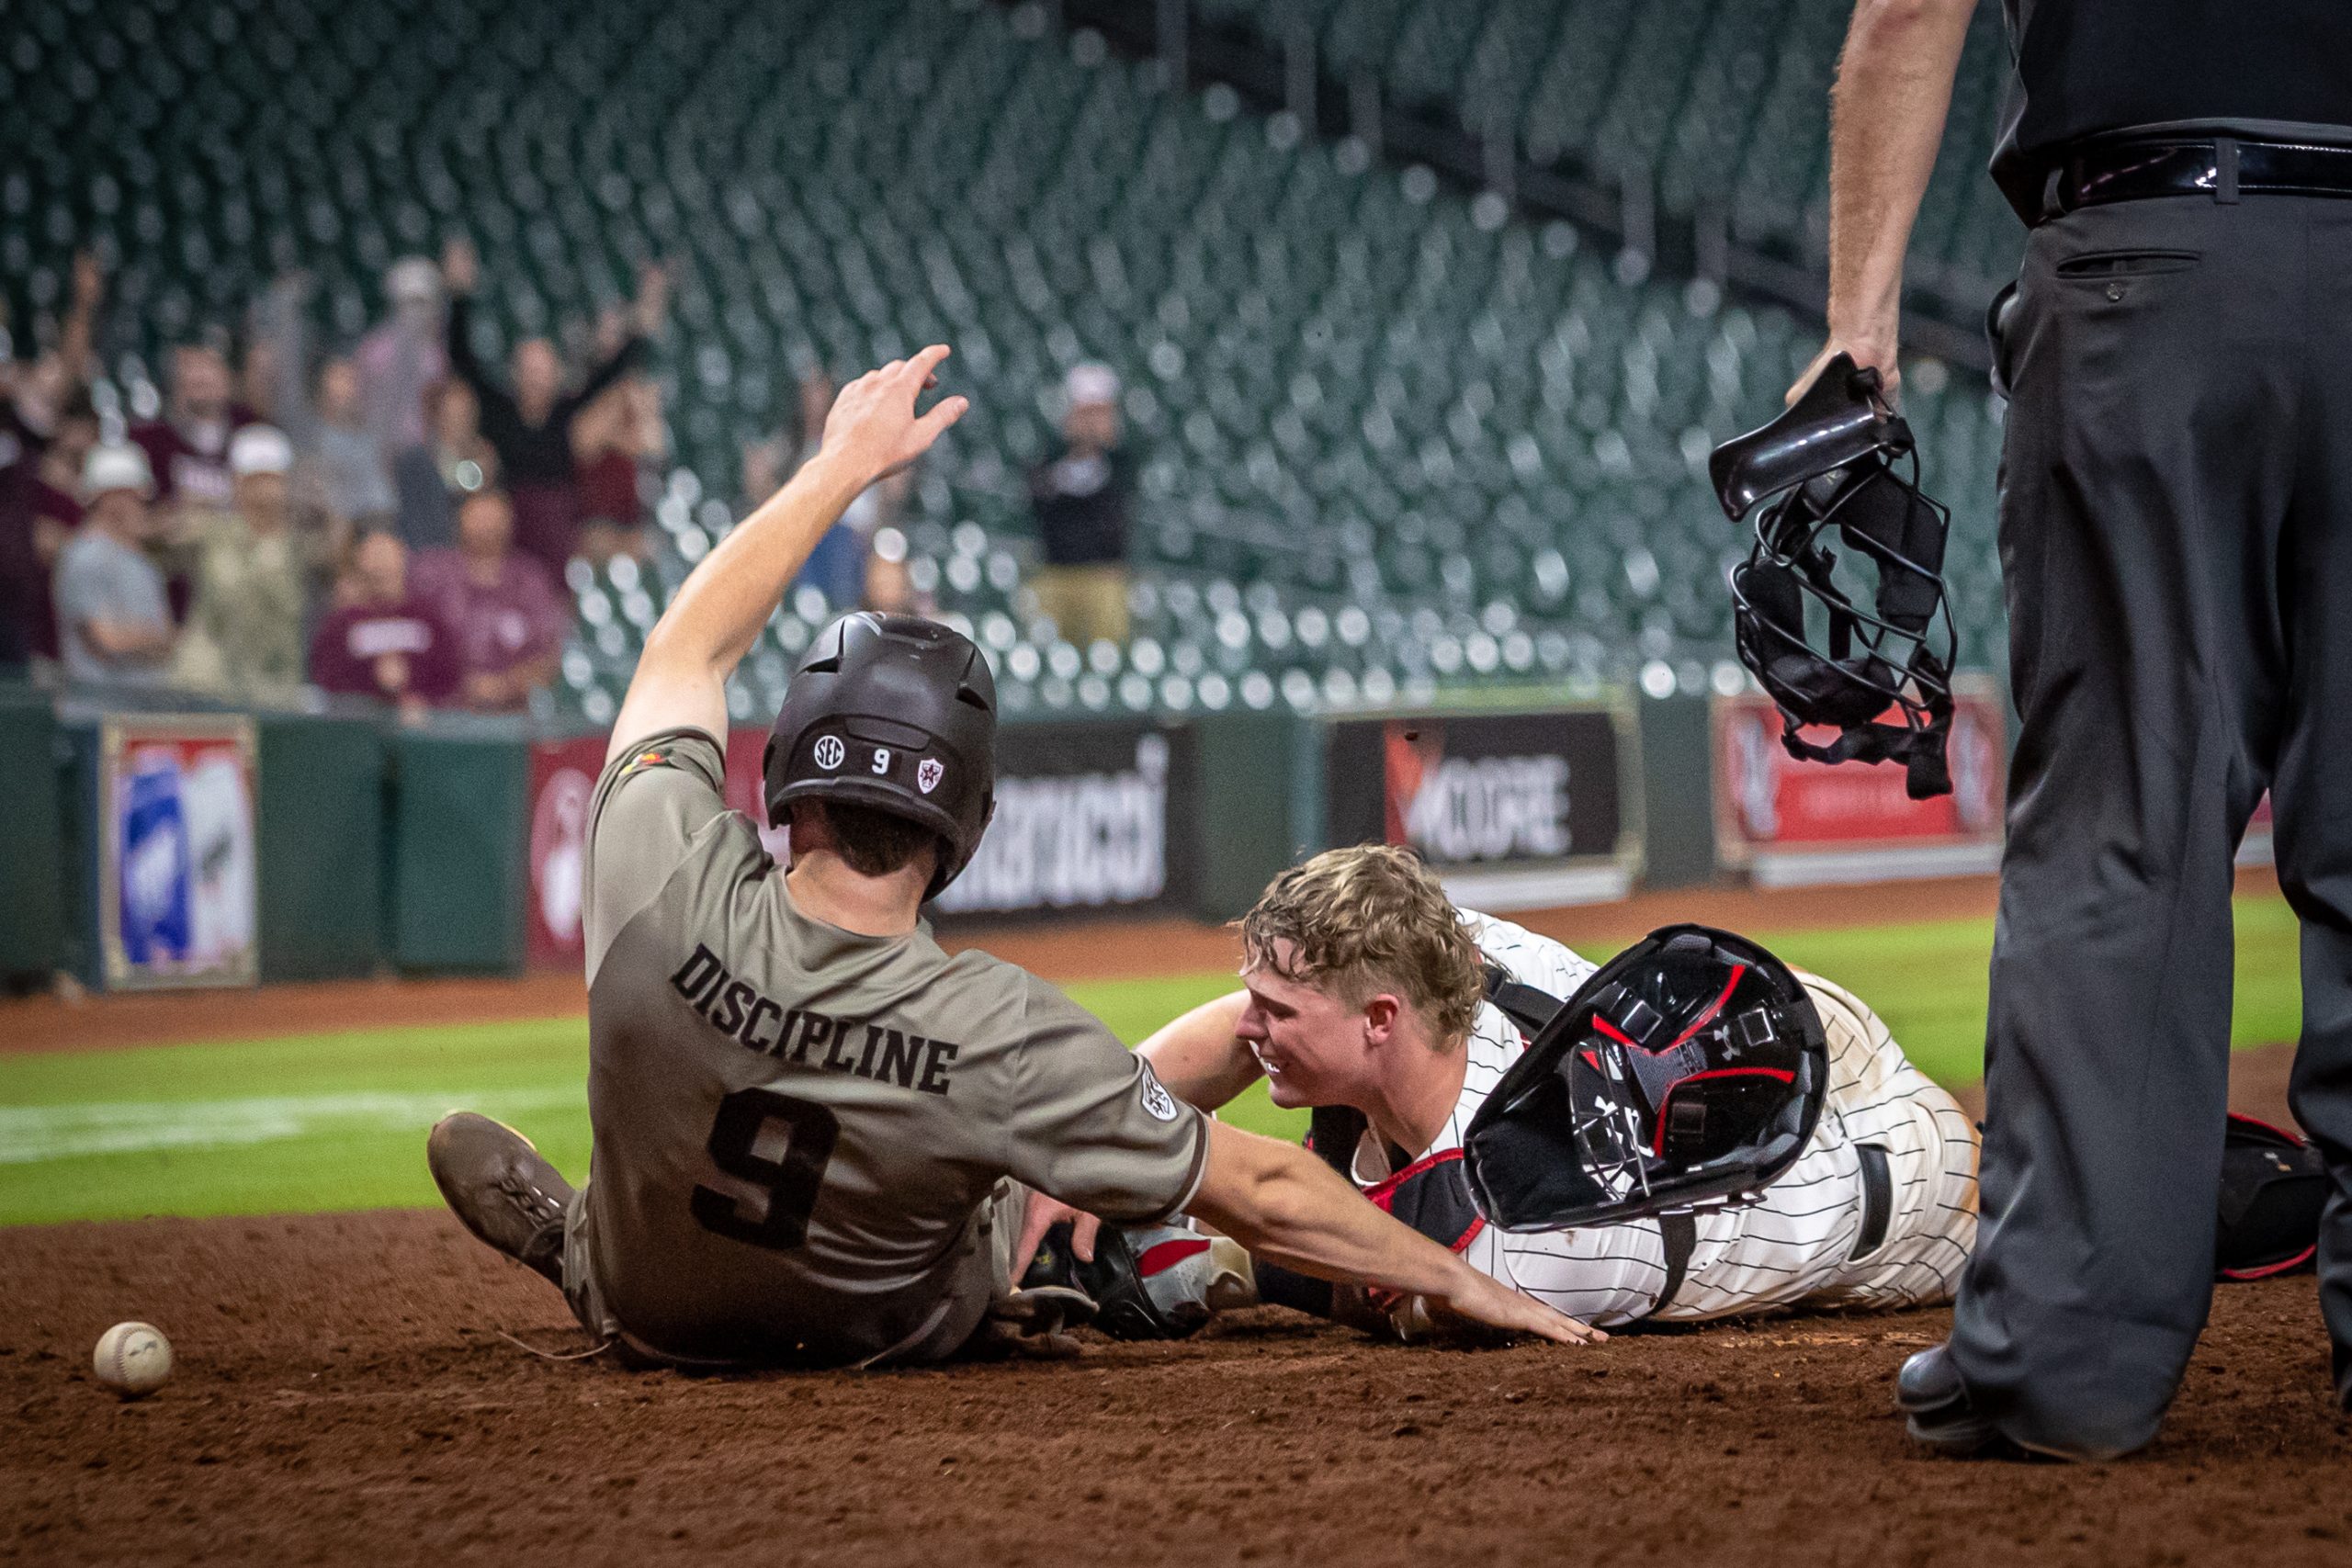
{"x": 394, "y": 518}
{"x": 390, "y": 520}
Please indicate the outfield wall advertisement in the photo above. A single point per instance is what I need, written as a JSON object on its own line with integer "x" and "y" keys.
{"x": 1090, "y": 817}
{"x": 563, "y": 784}
{"x": 1787, "y": 821}
{"x": 1514, "y": 810}
{"x": 177, "y": 881}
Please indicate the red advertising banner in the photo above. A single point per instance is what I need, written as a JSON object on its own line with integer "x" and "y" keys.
{"x": 563, "y": 784}
{"x": 1789, "y": 819}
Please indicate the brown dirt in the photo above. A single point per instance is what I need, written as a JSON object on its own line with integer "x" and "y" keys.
{"x": 1094, "y": 951}
{"x": 342, "y": 1395}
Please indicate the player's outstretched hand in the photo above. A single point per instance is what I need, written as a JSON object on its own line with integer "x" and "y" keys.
{"x": 1482, "y": 1299}
{"x": 874, "y": 429}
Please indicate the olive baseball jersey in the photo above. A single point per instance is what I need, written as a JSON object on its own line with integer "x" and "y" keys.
{"x": 799, "y": 1130}
{"x": 1801, "y": 1244}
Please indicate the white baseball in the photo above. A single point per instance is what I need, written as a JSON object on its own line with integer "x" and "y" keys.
{"x": 132, "y": 1358}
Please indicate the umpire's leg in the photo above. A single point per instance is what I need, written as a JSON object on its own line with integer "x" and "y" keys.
{"x": 2313, "y": 792}
{"x": 2148, "y": 460}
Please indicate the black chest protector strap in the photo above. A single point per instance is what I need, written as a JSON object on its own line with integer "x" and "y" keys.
{"x": 1680, "y": 1234}
{"x": 1333, "y": 1132}
{"x": 1528, "y": 1009}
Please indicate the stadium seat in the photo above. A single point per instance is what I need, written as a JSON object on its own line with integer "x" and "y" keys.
{"x": 1393, "y": 438}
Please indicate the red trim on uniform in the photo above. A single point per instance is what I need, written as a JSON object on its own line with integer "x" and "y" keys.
{"x": 1167, "y": 1254}
{"x": 1479, "y": 1223}
{"x": 2264, "y": 1272}
{"x": 1657, "y": 1145}
{"x": 1384, "y": 1192}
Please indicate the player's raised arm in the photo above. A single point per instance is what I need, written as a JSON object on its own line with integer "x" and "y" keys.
{"x": 1201, "y": 1056}
{"x": 873, "y": 430}
{"x": 1288, "y": 1207}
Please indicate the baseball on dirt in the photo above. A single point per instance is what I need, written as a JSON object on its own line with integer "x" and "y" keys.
{"x": 132, "y": 1358}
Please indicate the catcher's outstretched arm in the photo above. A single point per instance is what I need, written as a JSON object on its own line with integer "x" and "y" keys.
{"x": 1289, "y": 1208}
{"x": 1199, "y": 1057}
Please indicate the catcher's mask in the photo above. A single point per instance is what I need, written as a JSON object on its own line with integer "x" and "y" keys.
{"x": 1830, "y": 462}
{"x": 1687, "y": 1072}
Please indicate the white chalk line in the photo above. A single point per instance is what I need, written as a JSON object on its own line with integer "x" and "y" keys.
{"x": 32, "y": 1135}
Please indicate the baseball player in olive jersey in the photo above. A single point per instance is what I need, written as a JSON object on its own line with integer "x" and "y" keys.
{"x": 817, "y": 1135}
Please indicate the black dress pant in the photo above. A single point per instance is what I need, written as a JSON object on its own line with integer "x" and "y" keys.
{"x": 2177, "y": 544}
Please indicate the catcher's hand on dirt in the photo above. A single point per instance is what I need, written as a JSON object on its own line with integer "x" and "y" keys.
{"x": 1483, "y": 1300}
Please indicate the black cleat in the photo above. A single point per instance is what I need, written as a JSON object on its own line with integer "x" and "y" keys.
{"x": 1942, "y": 1416}
{"x": 500, "y": 1190}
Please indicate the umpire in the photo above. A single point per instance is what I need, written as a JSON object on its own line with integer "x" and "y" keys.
{"x": 2177, "y": 544}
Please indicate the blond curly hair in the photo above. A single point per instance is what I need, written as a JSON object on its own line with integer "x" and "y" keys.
{"x": 1366, "y": 920}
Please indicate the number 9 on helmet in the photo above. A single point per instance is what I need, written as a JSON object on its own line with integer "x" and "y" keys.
{"x": 896, "y": 714}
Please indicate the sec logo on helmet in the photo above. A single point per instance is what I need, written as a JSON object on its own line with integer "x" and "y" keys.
{"x": 830, "y": 752}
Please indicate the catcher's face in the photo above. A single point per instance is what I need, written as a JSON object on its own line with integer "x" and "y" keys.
{"x": 1311, "y": 1045}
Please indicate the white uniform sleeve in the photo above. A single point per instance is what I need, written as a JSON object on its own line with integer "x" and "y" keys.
{"x": 1538, "y": 961}
{"x": 1604, "y": 1275}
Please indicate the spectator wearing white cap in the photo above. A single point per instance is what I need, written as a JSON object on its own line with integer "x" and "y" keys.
{"x": 402, "y": 358}
{"x": 114, "y": 619}
{"x": 244, "y": 638}
{"x": 1083, "y": 496}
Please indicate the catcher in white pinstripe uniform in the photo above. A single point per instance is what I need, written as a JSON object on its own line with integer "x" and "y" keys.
{"x": 1366, "y": 988}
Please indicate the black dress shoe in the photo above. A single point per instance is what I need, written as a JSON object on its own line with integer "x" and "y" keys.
{"x": 1942, "y": 1416}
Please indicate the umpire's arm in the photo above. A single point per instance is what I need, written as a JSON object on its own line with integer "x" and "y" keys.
{"x": 873, "y": 430}
{"x": 1887, "y": 114}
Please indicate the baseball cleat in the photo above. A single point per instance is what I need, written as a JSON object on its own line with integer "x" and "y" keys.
{"x": 501, "y": 1189}
{"x": 1152, "y": 1282}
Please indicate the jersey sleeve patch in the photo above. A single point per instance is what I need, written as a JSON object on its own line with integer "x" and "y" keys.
{"x": 1158, "y": 1103}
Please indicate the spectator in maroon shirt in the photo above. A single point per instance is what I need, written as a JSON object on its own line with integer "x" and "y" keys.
{"x": 189, "y": 448}
{"x": 529, "y": 421}
{"x": 382, "y": 640}
{"x": 614, "y": 441}
{"x": 504, "y": 609}
{"x": 40, "y": 506}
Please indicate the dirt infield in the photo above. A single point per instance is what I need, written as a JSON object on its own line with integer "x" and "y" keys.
{"x": 343, "y": 1395}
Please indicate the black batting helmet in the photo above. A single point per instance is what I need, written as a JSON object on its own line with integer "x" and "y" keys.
{"x": 896, "y": 713}
{"x": 1687, "y": 1072}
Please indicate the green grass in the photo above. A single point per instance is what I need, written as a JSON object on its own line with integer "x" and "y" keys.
{"x": 337, "y": 1121}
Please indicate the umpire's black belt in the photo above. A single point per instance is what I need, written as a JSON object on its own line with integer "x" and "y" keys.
{"x": 2222, "y": 169}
